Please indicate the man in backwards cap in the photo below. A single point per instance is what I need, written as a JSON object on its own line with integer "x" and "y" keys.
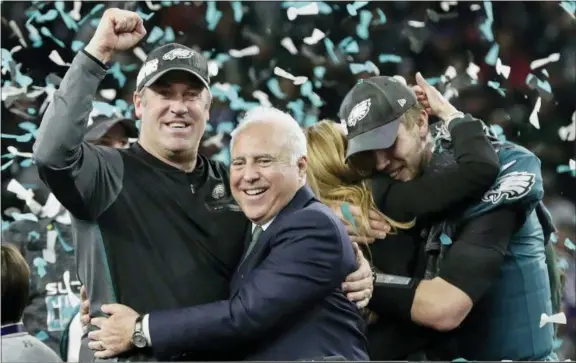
{"x": 485, "y": 265}
{"x": 158, "y": 204}
{"x": 115, "y": 131}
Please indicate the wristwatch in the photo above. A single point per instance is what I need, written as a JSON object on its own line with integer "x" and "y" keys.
{"x": 138, "y": 337}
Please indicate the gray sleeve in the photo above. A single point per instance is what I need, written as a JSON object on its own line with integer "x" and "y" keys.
{"x": 84, "y": 178}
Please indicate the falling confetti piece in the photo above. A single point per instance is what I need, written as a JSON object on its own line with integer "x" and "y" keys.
{"x": 559, "y": 318}
{"x": 330, "y": 49}
{"x": 274, "y": 87}
{"x": 381, "y": 17}
{"x": 56, "y": 58}
{"x": 362, "y": 29}
{"x": 416, "y": 24}
{"x": 486, "y": 26}
{"x": 570, "y": 7}
{"x": 246, "y": 52}
{"x": 369, "y": 67}
{"x": 353, "y": 8}
{"x": 502, "y": 69}
{"x": 460, "y": 360}
{"x": 155, "y": 35}
{"x": 282, "y": 73}
{"x": 75, "y": 12}
{"x": 238, "y": 11}
{"x": 534, "y": 115}
{"x": 317, "y": 35}
{"x": 569, "y": 244}
{"x": 289, "y": 45}
{"x": 40, "y": 265}
{"x": 445, "y": 239}
{"x": 555, "y": 57}
{"x": 389, "y": 58}
{"x": 492, "y": 55}
{"x": 310, "y": 9}
{"x": 347, "y": 214}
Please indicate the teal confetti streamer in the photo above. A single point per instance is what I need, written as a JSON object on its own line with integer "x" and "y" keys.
{"x": 381, "y": 17}
{"x": 347, "y": 214}
{"x": 213, "y": 15}
{"x": 121, "y": 105}
{"x": 33, "y": 236}
{"x": 67, "y": 248}
{"x": 445, "y": 239}
{"x": 569, "y": 244}
{"x": 103, "y": 108}
{"x": 569, "y": 6}
{"x": 310, "y": 120}
{"x": 26, "y": 163}
{"x": 44, "y": 31}
{"x": 362, "y": 28}
{"x": 19, "y": 138}
{"x": 297, "y": 108}
{"x": 5, "y": 225}
{"x": 460, "y": 360}
{"x": 553, "y": 237}
{"x": 352, "y": 47}
{"x": 169, "y": 36}
{"x": 92, "y": 12}
{"x": 357, "y": 68}
{"x": 353, "y": 8}
{"x": 225, "y": 127}
{"x": 315, "y": 99}
{"x": 166, "y": 3}
{"x": 532, "y": 80}
{"x": 48, "y": 16}
{"x": 145, "y": 16}
{"x": 117, "y": 74}
{"x": 155, "y": 35}
{"x": 31, "y": 111}
{"x": 209, "y": 127}
{"x": 561, "y": 169}
{"x": 40, "y": 265}
{"x": 433, "y": 81}
{"x": 306, "y": 89}
{"x": 138, "y": 122}
{"x": 496, "y": 86}
{"x": 68, "y": 21}
{"x": 223, "y": 156}
{"x": 41, "y": 335}
{"x": 492, "y": 55}
{"x": 34, "y": 36}
{"x": 28, "y": 126}
{"x": 23, "y": 80}
{"x": 498, "y": 132}
{"x": 389, "y": 58}
{"x": 24, "y": 217}
{"x": 7, "y": 165}
{"x": 221, "y": 58}
{"x": 238, "y": 11}
{"x": 324, "y": 8}
{"x": 557, "y": 343}
{"x": 486, "y": 26}
{"x": 319, "y": 72}
{"x": 330, "y": 49}
{"x": 8, "y": 156}
{"x": 94, "y": 22}
{"x": 129, "y": 67}
{"x": 274, "y": 87}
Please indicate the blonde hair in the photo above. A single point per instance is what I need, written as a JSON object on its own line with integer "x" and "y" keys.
{"x": 333, "y": 180}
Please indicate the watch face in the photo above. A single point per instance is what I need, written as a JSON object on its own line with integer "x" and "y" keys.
{"x": 139, "y": 340}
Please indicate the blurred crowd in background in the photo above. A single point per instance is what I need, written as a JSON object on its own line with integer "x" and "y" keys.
{"x": 511, "y": 64}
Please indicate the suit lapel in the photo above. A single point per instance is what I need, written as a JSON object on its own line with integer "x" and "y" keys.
{"x": 301, "y": 198}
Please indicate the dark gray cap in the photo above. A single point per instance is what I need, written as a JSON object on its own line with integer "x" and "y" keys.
{"x": 372, "y": 112}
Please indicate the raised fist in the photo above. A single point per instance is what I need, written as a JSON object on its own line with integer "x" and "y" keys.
{"x": 432, "y": 99}
{"x": 118, "y": 30}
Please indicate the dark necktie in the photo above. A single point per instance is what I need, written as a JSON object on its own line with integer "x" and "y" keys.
{"x": 255, "y": 234}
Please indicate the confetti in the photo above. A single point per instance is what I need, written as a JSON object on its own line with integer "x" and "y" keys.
{"x": 40, "y": 265}
{"x": 56, "y": 58}
{"x": 330, "y": 49}
{"x": 369, "y": 67}
{"x": 274, "y": 87}
{"x": 569, "y": 244}
{"x": 445, "y": 5}
{"x": 570, "y": 7}
{"x": 416, "y": 24}
{"x": 445, "y": 239}
{"x": 18, "y": 32}
{"x": 362, "y": 27}
{"x": 75, "y": 12}
{"x": 554, "y": 57}
{"x": 289, "y": 45}
{"x": 502, "y": 69}
{"x": 492, "y": 55}
{"x": 347, "y": 214}
{"x": 349, "y": 45}
{"x": 568, "y": 133}
{"x": 262, "y": 98}
{"x": 151, "y": 6}
{"x": 486, "y": 26}
{"x": 534, "y": 115}
{"x": 282, "y": 73}
{"x": 559, "y": 318}
{"x": 353, "y": 8}
{"x": 472, "y": 71}
{"x": 246, "y": 52}
{"x": 317, "y": 35}
{"x": 213, "y": 15}
{"x": 238, "y": 11}
{"x": 310, "y": 9}
{"x": 381, "y": 17}
{"x": 389, "y": 58}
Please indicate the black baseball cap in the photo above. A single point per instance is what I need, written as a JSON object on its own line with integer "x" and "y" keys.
{"x": 172, "y": 57}
{"x": 102, "y": 124}
{"x": 372, "y": 112}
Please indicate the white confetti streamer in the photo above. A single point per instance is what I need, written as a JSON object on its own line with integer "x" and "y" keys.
{"x": 534, "y": 115}
{"x": 138, "y": 52}
{"x": 310, "y": 9}
{"x": 246, "y": 52}
{"x": 568, "y": 133}
{"x": 75, "y": 12}
{"x": 72, "y": 298}
{"x": 49, "y": 253}
{"x": 289, "y": 45}
{"x": 15, "y": 49}
{"x": 56, "y": 58}
{"x": 317, "y": 35}
{"x": 18, "y": 32}
{"x": 51, "y": 208}
{"x": 473, "y": 71}
{"x": 502, "y": 69}
{"x": 475, "y": 7}
{"x": 153, "y": 7}
{"x": 262, "y": 98}
{"x": 49, "y": 89}
{"x": 572, "y": 164}
{"x": 27, "y": 195}
{"x": 14, "y": 151}
{"x": 559, "y": 318}
{"x": 416, "y": 24}
{"x": 108, "y": 94}
{"x": 297, "y": 80}
{"x": 213, "y": 68}
{"x": 554, "y": 57}
{"x": 445, "y": 5}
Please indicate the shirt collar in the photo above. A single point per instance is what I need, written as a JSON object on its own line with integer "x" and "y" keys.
{"x": 264, "y": 226}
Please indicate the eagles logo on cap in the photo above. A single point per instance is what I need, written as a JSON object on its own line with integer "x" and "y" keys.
{"x": 358, "y": 112}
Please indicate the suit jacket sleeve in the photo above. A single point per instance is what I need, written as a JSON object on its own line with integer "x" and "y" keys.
{"x": 304, "y": 265}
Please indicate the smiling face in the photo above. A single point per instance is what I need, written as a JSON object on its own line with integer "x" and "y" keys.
{"x": 263, "y": 175}
{"x": 173, "y": 111}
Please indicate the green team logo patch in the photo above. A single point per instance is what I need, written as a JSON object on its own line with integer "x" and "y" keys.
{"x": 511, "y": 186}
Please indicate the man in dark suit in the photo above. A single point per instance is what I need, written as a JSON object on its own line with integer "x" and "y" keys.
{"x": 286, "y": 301}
